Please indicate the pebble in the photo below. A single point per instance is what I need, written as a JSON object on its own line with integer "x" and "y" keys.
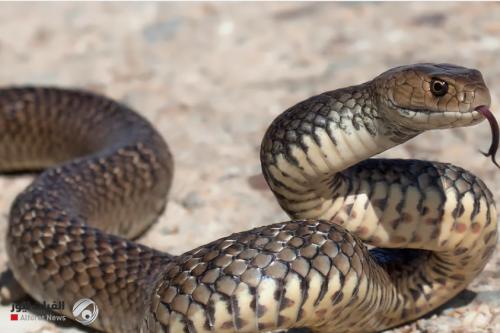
{"x": 193, "y": 200}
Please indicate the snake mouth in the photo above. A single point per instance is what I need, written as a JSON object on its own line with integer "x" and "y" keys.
{"x": 486, "y": 113}
{"x": 422, "y": 119}
{"x": 425, "y": 119}
{"x": 415, "y": 112}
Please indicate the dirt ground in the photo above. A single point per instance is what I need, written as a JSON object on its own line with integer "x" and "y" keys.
{"x": 212, "y": 76}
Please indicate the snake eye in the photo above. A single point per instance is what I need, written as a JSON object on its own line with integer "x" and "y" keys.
{"x": 439, "y": 88}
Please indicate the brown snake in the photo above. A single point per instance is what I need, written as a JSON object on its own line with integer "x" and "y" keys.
{"x": 434, "y": 224}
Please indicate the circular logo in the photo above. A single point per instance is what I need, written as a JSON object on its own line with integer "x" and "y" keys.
{"x": 85, "y": 311}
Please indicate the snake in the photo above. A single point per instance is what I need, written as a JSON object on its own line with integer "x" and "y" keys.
{"x": 371, "y": 243}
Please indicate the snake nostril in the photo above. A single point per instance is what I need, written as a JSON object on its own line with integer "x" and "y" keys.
{"x": 480, "y": 96}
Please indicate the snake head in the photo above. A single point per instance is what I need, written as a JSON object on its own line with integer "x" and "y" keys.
{"x": 430, "y": 96}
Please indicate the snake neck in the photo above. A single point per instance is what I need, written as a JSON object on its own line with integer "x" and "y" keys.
{"x": 315, "y": 158}
{"x": 307, "y": 147}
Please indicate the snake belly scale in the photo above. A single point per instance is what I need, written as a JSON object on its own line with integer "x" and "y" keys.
{"x": 109, "y": 172}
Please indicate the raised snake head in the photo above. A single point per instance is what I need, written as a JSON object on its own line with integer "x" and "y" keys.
{"x": 429, "y": 96}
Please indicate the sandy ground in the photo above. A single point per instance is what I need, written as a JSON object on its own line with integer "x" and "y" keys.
{"x": 213, "y": 76}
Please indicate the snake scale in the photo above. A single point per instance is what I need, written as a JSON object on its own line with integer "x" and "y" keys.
{"x": 108, "y": 174}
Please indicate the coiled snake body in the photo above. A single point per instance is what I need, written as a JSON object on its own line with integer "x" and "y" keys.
{"x": 434, "y": 224}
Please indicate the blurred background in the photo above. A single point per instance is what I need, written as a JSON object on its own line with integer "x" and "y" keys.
{"x": 212, "y": 76}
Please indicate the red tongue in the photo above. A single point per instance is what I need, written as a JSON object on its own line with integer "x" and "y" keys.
{"x": 494, "y": 131}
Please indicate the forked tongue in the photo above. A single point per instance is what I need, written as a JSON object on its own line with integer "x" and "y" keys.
{"x": 494, "y": 131}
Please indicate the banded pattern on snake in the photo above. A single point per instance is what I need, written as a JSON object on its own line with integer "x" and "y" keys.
{"x": 109, "y": 172}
